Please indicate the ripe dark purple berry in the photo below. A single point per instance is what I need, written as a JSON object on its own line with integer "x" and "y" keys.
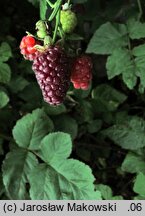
{"x": 53, "y": 75}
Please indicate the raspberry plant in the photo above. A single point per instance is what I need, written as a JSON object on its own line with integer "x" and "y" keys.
{"x": 72, "y": 90}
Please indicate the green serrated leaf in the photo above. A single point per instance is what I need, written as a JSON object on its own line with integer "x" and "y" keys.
{"x": 139, "y": 50}
{"x": 76, "y": 177}
{"x": 5, "y": 52}
{"x": 62, "y": 178}
{"x": 129, "y": 134}
{"x": 117, "y": 62}
{"x": 109, "y": 97}
{"x": 98, "y": 195}
{"x": 139, "y": 53}
{"x": 107, "y": 38}
{"x": 140, "y": 64}
{"x": 5, "y": 73}
{"x": 120, "y": 63}
{"x": 117, "y": 198}
{"x": 4, "y": 99}
{"x": 16, "y": 167}
{"x": 129, "y": 77}
{"x": 133, "y": 163}
{"x": 139, "y": 197}
{"x": 70, "y": 180}
{"x": 139, "y": 185}
{"x": 44, "y": 183}
{"x": 105, "y": 190}
{"x": 136, "y": 29}
{"x": 60, "y": 146}
{"x": 31, "y": 129}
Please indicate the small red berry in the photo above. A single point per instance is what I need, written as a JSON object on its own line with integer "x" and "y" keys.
{"x": 29, "y": 40}
{"x": 27, "y": 47}
{"x": 81, "y": 73}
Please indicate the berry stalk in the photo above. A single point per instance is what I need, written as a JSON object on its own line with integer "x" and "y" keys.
{"x": 50, "y": 4}
{"x": 57, "y": 6}
{"x": 56, "y": 26}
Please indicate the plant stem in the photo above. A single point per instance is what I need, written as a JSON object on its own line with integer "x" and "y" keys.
{"x": 50, "y": 4}
{"x": 68, "y": 2}
{"x": 140, "y": 9}
{"x": 56, "y": 8}
{"x": 56, "y": 26}
{"x": 61, "y": 32}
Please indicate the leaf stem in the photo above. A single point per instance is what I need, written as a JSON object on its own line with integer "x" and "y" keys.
{"x": 56, "y": 8}
{"x": 50, "y": 4}
{"x": 68, "y": 2}
{"x": 140, "y": 9}
{"x": 61, "y": 33}
{"x": 56, "y": 26}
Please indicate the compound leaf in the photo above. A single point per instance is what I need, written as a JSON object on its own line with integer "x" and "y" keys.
{"x": 60, "y": 146}
{"x": 60, "y": 178}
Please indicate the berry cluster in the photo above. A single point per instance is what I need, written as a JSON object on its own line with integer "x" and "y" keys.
{"x": 27, "y": 47}
{"x": 52, "y": 72}
{"x": 50, "y": 62}
{"x": 81, "y": 73}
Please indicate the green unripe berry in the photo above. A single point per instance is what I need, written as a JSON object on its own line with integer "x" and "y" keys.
{"x": 48, "y": 40}
{"x": 40, "y": 25}
{"x": 41, "y": 34}
{"x": 68, "y": 21}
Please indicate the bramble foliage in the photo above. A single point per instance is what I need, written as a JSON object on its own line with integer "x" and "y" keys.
{"x": 92, "y": 146}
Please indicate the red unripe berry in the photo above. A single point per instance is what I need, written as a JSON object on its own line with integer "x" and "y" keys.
{"x": 81, "y": 73}
{"x": 27, "y": 47}
{"x": 29, "y": 40}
